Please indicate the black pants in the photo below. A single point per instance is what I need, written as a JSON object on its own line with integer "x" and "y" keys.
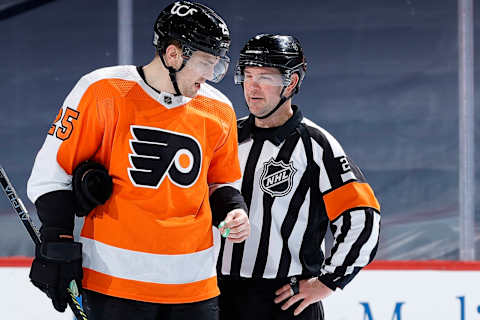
{"x": 249, "y": 299}
{"x": 98, "y": 306}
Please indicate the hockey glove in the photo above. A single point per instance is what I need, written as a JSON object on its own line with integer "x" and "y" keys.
{"x": 54, "y": 266}
{"x": 92, "y": 186}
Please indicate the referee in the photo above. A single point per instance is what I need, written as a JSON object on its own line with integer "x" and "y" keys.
{"x": 297, "y": 181}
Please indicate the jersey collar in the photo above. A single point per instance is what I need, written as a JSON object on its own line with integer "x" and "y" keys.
{"x": 275, "y": 135}
{"x": 168, "y": 100}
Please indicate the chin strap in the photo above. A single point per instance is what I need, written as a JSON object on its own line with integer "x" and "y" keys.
{"x": 173, "y": 73}
{"x": 279, "y": 104}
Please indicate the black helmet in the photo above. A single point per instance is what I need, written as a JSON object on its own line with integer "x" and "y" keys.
{"x": 278, "y": 51}
{"x": 195, "y": 26}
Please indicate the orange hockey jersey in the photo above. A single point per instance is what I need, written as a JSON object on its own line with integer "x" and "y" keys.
{"x": 153, "y": 239}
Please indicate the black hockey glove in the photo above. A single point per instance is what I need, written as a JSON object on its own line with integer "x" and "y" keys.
{"x": 92, "y": 186}
{"x": 54, "y": 266}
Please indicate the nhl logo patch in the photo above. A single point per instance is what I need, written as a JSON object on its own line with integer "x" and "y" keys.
{"x": 277, "y": 178}
{"x": 167, "y": 99}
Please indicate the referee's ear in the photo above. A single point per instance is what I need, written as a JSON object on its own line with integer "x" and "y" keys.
{"x": 290, "y": 89}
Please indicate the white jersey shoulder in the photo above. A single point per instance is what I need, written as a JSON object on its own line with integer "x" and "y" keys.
{"x": 47, "y": 175}
{"x": 114, "y": 72}
{"x": 334, "y": 144}
{"x": 213, "y": 93}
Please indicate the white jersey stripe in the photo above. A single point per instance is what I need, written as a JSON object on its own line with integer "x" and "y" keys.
{"x": 162, "y": 268}
{"x": 357, "y": 225}
{"x": 227, "y": 257}
{"x": 256, "y": 213}
{"x": 368, "y": 247}
{"x": 294, "y": 241}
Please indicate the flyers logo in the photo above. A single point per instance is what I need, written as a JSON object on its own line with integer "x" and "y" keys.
{"x": 161, "y": 153}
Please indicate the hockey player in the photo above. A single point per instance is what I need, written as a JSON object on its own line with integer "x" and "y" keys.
{"x": 297, "y": 180}
{"x": 169, "y": 142}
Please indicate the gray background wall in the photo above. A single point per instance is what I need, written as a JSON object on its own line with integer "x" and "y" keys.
{"x": 382, "y": 78}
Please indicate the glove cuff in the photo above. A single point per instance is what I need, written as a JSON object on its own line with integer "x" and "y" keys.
{"x": 55, "y": 210}
{"x": 59, "y": 251}
{"x": 52, "y": 234}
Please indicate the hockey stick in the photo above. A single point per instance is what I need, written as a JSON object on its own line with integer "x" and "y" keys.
{"x": 22, "y": 212}
{"x": 12, "y": 8}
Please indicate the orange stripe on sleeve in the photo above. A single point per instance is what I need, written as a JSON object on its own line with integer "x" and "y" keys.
{"x": 351, "y": 195}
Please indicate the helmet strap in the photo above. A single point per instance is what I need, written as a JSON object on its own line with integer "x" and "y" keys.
{"x": 279, "y": 104}
{"x": 173, "y": 74}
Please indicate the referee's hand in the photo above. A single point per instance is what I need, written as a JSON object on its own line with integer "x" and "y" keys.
{"x": 239, "y": 225}
{"x": 310, "y": 291}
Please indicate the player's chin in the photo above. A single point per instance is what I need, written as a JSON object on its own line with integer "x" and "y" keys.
{"x": 190, "y": 93}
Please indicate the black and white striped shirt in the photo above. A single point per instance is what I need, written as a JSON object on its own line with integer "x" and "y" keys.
{"x": 297, "y": 180}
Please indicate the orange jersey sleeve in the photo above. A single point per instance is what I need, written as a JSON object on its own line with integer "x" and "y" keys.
{"x": 73, "y": 137}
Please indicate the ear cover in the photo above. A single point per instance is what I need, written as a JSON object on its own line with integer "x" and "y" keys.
{"x": 92, "y": 186}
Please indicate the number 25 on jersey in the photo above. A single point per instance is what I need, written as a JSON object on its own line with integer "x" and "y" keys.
{"x": 62, "y": 127}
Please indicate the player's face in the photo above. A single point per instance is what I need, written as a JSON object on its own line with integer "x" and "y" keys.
{"x": 201, "y": 66}
{"x": 261, "y": 88}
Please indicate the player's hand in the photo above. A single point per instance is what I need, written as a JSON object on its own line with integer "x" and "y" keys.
{"x": 310, "y": 291}
{"x": 239, "y": 225}
{"x": 55, "y": 265}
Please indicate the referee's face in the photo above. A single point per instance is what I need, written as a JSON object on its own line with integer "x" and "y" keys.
{"x": 261, "y": 88}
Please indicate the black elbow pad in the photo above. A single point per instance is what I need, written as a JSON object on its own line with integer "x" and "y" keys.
{"x": 223, "y": 200}
{"x": 92, "y": 186}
